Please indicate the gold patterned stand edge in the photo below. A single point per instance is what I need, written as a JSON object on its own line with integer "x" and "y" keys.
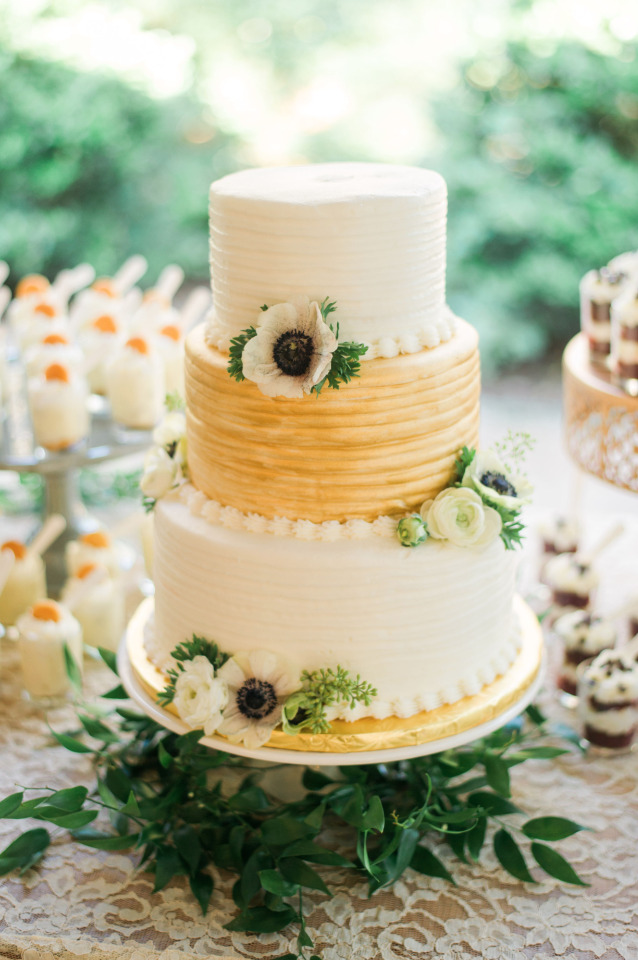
{"x": 369, "y": 734}
{"x": 601, "y": 419}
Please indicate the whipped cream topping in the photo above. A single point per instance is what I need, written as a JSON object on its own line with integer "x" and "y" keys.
{"x": 565, "y": 572}
{"x": 585, "y": 634}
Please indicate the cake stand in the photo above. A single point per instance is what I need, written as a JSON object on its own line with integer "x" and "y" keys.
{"x": 362, "y": 741}
{"x": 601, "y": 419}
{"x": 60, "y": 470}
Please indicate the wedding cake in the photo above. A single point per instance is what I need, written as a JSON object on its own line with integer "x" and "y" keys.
{"x": 334, "y": 512}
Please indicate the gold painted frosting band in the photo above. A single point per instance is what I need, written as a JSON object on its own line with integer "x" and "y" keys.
{"x": 381, "y": 444}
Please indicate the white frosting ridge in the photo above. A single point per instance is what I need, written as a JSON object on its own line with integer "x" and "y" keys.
{"x": 424, "y": 626}
{"x": 370, "y": 236}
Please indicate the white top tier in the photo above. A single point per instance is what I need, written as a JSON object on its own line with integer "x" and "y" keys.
{"x": 368, "y": 235}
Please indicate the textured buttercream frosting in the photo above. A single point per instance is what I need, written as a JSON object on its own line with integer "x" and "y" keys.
{"x": 425, "y": 626}
{"x": 381, "y": 444}
{"x": 370, "y": 236}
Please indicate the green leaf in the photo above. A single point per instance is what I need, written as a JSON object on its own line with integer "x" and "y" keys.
{"x": 492, "y": 803}
{"x": 537, "y": 753}
{"x": 163, "y": 756}
{"x": 280, "y": 831}
{"x": 315, "y": 780}
{"x": 476, "y": 838}
{"x": 98, "y": 730}
{"x": 299, "y": 872}
{"x": 249, "y": 800}
{"x": 535, "y": 715}
{"x": 307, "y": 850}
{"x": 510, "y": 857}
{"x": 72, "y": 668}
{"x": 189, "y": 846}
{"x": 105, "y": 841}
{"x": 10, "y": 803}
{"x": 26, "y": 809}
{"x": 69, "y": 821}
{"x": 236, "y": 349}
{"x": 115, "y": 693}
{"x": 497, "y": 774}
{"x": 131, "y": 808}
{"x": 70, "y": 743}
{"x": 374, "y": 817}
{"x": 315, "y": 818}
{"x": 202, "y": 888}
{"x": 168, "y": 864}
{"x": 457, "y": 842}
{"x": 273, "y": 881}
{"x": 25, "y": 851}
{"x": 70, "y": 799}
{"x": 262, "y": 920}
{"x": 551, "y": 828}
{"x": 110, "y": 659}
{"x": 555, "y": 865}
{"x": 424, "y": 861}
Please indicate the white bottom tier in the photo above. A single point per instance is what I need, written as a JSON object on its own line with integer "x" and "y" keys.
{"x": 425, "y": 626}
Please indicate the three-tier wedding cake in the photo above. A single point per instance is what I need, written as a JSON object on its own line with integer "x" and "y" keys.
{"x": 332, "y": 399}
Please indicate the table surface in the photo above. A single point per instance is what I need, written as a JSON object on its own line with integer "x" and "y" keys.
{"x": 87, "y": 903}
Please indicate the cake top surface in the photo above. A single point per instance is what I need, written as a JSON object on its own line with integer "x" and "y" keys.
{"x": 327, "y": 183}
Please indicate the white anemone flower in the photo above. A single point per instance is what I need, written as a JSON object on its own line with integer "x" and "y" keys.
{"x": 258, "y": 684}
{"x": 460, "y": 516}
{"x": 292, "y": 351}
{"x": 493, "y": 481}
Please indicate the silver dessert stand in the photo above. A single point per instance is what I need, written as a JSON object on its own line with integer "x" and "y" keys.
{"x": 59, "y": 470}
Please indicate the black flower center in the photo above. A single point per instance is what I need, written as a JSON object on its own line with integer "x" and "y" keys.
{"x": 293, "y": 352}
{"x": 256, "y": 698}
{"x": 498, "y": 483}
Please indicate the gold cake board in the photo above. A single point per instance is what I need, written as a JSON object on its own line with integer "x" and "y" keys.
{"x": 367, "y": 740}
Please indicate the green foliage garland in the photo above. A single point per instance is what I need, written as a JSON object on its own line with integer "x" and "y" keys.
{"x": 154, "y": 785}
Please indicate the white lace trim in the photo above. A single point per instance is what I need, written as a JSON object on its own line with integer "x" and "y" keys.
{"x": 430, "y": 335}
{"x": 233, "y": 519}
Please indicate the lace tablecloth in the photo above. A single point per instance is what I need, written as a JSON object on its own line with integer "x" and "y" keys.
{"x": 80, "y": 902}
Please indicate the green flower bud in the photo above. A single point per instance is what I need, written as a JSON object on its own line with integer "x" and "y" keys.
{"x": 412, "y": 531}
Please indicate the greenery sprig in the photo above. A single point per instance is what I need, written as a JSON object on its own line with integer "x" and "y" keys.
{"x": 306, "y": 709}
{"x": 185, "y": 651}
{"x": 462, "y": 463}
{"x": 153, "y": 786}
{"x": 236, "y": 349}
{"x": 174, "y": 402}
{"x": 514, "y": 448}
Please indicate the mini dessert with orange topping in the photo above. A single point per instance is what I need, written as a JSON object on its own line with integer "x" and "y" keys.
{"x": 136, "y": 384}
{"x": 58, "y": 407}
{"x": 36, "y": 311}
{"x": 55, "y": 347}
{"x": 24, "y": 585}
{"x": 97, "y": 601}
{"x": 44, "y": 632}
{"x": 92, "y": 549}
{"x": 100, "y": 339}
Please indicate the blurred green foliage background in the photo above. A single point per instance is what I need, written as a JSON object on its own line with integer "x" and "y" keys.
{"x": 538, "y": 143}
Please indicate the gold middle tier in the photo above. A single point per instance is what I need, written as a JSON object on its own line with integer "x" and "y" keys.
{"x": 381, "y": 444}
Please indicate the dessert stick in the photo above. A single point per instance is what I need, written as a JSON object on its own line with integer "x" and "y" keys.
{"x": 129, "y": 273}
{"x": 169, "y": 282}
{"x": 5, "y": 299}
{"x": 196, "y": 303}
{"x": 587, "y": 557}
{"x": 48, "y": 533}
{"x": 4, "y": 271}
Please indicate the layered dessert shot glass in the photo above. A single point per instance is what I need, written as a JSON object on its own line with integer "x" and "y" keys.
{"x": 559, "y": 535}
{"x": 624, "y": 340}
{"x": 25, "y": 584}
{"x": 583, "y": 637}
{"x": 573, "y": 582}
{"x": 44, "y": 632}
{"x": 97, "y": 602}
{"x": 136, "y": 385}
{"x": 96, "y": 548}
{"x": 58, "y": 407}
{"x": 608, "y": 700}
{"x": 597, "y": 290}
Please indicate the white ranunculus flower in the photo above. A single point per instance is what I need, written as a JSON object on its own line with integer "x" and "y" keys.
{"x": 200, "y": 696}
{"x": 292, "y": 351}
{"x": 490, "y": 478}
{"x": 460, "y": 516}
{"x": 171, "y": 429}
{"x": 160, "y": 473}
{"x": 259, "y": 683}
